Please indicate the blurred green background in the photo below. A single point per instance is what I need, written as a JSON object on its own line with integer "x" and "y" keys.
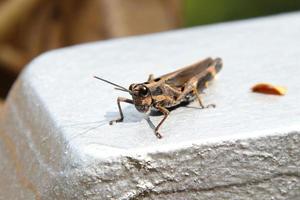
{"x": 197, "y": 12}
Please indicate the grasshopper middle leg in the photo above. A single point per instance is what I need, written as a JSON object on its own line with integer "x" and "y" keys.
{"x": 191, "y": 88}
{"x": 200, "y": 100}
{"x": 119, "y": 100}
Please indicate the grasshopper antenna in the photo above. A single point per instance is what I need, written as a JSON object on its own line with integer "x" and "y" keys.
{"x": 121, "y": 88}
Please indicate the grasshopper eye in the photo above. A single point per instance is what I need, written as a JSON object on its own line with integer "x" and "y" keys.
{"x": 143, "y": 91}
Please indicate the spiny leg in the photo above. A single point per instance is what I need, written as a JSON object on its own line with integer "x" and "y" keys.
{"x": 121, "y": 99}
{"x": 166, "y": 113}
{"x": 151, "y": 77}
{"x": 200, "y": 100}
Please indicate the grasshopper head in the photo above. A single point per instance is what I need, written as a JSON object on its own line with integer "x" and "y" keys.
{"x": 140, "y": 93}
{"x": 141, "y": 97}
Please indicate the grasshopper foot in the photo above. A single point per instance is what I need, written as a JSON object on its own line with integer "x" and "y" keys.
{"x": 115, "y": 121}
{"x": 209, "y": 106}
{"x": 158, "y": 135}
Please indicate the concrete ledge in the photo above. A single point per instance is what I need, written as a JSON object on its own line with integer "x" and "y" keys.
{"x": 56, "y": 142}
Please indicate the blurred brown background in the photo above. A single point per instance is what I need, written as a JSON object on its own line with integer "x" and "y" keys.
{"x": 30, "y": 27}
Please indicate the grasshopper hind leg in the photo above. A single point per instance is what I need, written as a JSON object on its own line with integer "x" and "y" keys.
{"x": 119, "y": 100}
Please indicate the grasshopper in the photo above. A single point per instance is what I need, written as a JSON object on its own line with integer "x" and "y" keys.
{"x": 170, "y": 90}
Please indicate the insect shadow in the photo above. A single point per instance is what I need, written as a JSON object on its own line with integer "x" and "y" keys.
{"x": 182, "y": 104}
{"x": 84, "y": 128}
{"x": 132, "y": 116}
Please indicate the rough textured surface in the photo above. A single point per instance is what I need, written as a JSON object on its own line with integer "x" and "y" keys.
{"x": 56, "y": 141}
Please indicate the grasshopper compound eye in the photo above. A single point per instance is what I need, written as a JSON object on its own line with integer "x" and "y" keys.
{"x": 143, "y": 91}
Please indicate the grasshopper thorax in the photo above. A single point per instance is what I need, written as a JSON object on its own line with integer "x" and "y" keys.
{"x": 141, "y": 97}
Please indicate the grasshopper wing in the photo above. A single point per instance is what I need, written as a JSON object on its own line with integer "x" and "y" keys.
{"x": 180, "y": 77}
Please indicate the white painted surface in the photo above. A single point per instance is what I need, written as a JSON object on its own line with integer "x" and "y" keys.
{"x": 57, "y": 117}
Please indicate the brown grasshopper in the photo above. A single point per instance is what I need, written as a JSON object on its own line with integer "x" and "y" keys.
{"x": 170, "y": 90}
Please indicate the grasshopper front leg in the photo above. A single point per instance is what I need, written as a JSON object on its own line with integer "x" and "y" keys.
{"x": 119, "y": 100}
{"x": 166, "y": 114}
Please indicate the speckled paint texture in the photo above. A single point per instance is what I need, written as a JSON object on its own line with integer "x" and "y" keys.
{"x": 55, "y": 141}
